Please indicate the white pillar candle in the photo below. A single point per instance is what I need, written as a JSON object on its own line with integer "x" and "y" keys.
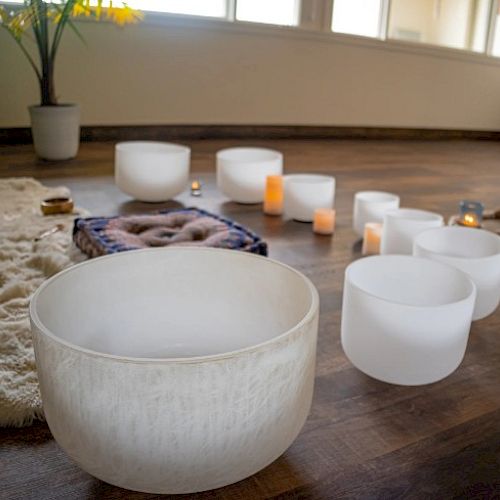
{"x": 324, "y": 221}
{"x": 371, "y": 238}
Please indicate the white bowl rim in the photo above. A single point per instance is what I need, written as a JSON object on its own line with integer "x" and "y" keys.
{"x": 410, "y": 213}
{"x": 403, "y": 304}
{"x": 387, "y": 197}
{"x": 184, "y": 360}
{"x": 310, "y": 178}
{"x": 162, "y": 147}
{"x": 224, "y": 154}
{"x": 458, "y": 258}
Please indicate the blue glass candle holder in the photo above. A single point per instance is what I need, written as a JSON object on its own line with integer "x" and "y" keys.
{"x": 471, "y": 213}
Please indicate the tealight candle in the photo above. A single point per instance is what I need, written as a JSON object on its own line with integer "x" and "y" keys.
{"x": 196, "y": 188}
{"x": 324, "y": 221}
{"x": 273, "y": 196}
{"x": 371, "y": 238}
{"x": 471, "y": 213}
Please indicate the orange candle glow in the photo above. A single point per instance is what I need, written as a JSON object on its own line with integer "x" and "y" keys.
{"x": 371, "y": 238}
{"x": 471, "y": 220}
{"x": 324, "y": 221}
{"x": 273, "y": 197}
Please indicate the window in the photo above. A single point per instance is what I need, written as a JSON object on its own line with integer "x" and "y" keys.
{"x": 357, "y": 17}
{"x": 209, "y": 8}
{"x": 462, "y": 24}
{"x": 284, "y": 12}
{"x": 495, "y": 49}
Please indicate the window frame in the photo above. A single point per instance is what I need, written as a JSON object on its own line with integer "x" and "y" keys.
{"x": 314, "y": 23}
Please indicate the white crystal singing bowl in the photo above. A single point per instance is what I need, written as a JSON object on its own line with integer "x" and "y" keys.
{"x": 474, "y": 251}
{"x": 242, "y": 172}
{"x": 370, "y": 206}
{"x": 406, "y": 320}
{"x": 151, "y": 171}
{"x": 402, "y": 225}
{"x": 175, "y": 370}
{"x": 304, "y": 193}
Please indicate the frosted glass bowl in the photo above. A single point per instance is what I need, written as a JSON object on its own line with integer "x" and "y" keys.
{"x": 406, "y": 320}
{"x": 242, "y": 172}
{"x": 370, "y": 206}
{"x": 402, "y": 225}
{"x": 474, "y": 251}
{"x": 151, "y": 171}
{"x": 175, "y": 370}
{"x": 304, "y": 193}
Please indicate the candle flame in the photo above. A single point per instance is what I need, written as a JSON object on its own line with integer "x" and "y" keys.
{"x": 470, "y": 220}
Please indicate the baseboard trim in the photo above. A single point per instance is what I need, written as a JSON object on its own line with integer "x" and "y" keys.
{"x": 22, "y": 135}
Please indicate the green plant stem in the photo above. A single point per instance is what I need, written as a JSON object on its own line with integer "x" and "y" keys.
{"x": 28, "y": 56}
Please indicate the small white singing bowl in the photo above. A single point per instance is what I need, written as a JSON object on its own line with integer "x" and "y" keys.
{"x": 474, "y": 251}
{"x": 402, "y": 225}
{"x": 406, "y": 320}
{"x": 151, "y": 171}
{"x": 175, "y": 370}
{"x": 242, "y": 172}
{"x": 370, "y": 206}
{"x": 304, "y": 193}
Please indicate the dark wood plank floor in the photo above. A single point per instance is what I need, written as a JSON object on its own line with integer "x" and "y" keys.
{"x": 364, "y": 438}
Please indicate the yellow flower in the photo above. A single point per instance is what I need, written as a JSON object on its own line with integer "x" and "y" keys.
{"x": 123, "y": 15}
{"x": 16, "y": 23}
{"x": 82, "y": 8}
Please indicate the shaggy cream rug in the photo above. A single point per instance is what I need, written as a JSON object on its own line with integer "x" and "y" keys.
{"x": 24, "y": 265}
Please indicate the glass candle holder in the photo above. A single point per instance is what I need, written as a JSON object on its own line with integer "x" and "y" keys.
{"x": 477, "y": 253}
{"x": 304, "y": 193}
{"x": 273, "y": 197}
{"x": 406, "y": 320}
{"x": 151, "y": 171}
{"x": 471, "y": 213}
{"x": 370, "y": 206}
{"x": 402, "y": 225}
{"x": 196, "y": 188}
{"x": 242, "y": 172}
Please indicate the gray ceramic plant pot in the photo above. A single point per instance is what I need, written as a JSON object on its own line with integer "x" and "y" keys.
{"x": 56, "y": 131}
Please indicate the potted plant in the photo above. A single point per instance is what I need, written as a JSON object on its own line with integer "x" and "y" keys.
{"x": 55, "y": 127}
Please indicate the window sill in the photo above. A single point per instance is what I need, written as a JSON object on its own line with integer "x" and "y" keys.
{"x": 178, "y": 21}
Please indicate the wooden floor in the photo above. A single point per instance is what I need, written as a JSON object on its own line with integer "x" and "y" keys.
{"x": 364, "y": 438}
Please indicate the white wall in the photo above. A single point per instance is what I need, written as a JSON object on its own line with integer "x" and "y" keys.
{"x": 194, "y": 74}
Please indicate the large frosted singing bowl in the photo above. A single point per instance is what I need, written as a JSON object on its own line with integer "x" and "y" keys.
{"x": 406, "y": 320}
{"x": 304, "y": 193}
{"x": 175, "y": 370}
{"x": 402, "y": 225}
{"x": 151, "y": 171}
{"x": 474, "y": 251}
{"x": 370, "y": 206}
{"x": 242, "y": 172}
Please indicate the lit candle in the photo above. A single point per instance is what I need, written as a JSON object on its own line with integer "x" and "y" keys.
{"x": 324, "y": 221}
{"x": 196, "y": 188}
{"x": 273, "y": 196}
{"x": 371, "y": 238}
{"x": 471, "y": 213}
